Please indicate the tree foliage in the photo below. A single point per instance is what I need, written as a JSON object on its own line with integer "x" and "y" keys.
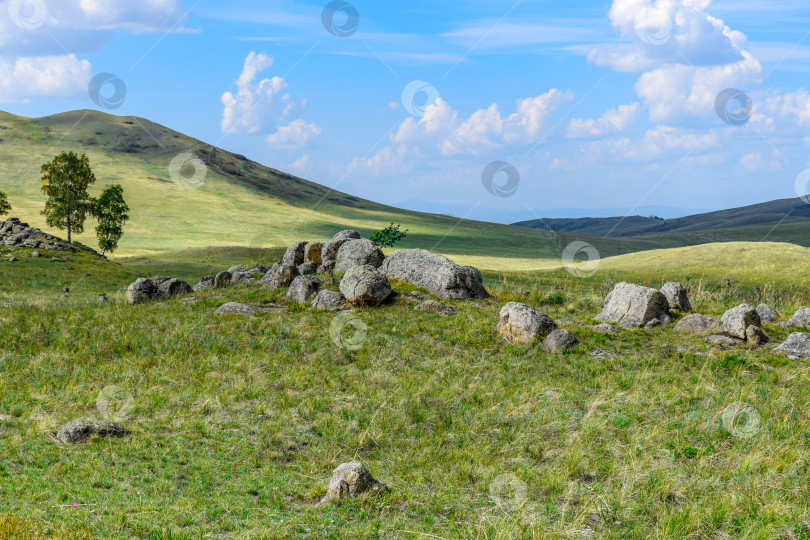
{"x": 65, "y": 180}
{"x": 388, "y": 236}
{"x": 5, "y": 207}
{"x": 111, "y": 211}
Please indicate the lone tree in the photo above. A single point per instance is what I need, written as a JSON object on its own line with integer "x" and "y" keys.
{"x": 5, "y": 208}
{"x": 111, "y": 211}
{"x": 388, "y": 236}
{"x": 65, "y": 181}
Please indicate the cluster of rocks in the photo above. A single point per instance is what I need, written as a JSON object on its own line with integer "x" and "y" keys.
{"x": 520, "y": 323}
{"x": 14, "y": 233}
{"x": 145, "y": 290}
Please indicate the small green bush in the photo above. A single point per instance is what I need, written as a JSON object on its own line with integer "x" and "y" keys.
{"x": 388, "y": 236}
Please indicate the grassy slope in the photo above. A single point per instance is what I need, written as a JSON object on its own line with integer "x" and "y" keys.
{"x": 239, "y": 422}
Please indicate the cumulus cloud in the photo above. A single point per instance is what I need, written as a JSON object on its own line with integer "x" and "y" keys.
{"x": 613, "y": 121}
{"x": 262, "y": 106}
{"x": 658, "y": 142}
{"x": 56, "y": 76}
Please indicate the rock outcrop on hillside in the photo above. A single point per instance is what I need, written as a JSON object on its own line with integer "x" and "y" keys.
{"x": 14, "y": 233}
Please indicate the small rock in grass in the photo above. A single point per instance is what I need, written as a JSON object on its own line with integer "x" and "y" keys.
{"x": 79, "y": 430}
{"x": 724, "y": 341}
{"x": 606, "y": 328}
{"x": 698, "y": 324}
{"x": 560, "y": 340}
{"x": 349, "y": 480}
{"x": 520, "y": 323}
{"x": 755, "y": 336}
{"x": 736, "y": 320}
{"x": 438, "y": 307}
{"x": 767, "y": 314}
{"x": 796, "y": 346}
{"x": 328, "y": 300}
{"x": 800, "y": 319}
{"x": 235, "y": 308}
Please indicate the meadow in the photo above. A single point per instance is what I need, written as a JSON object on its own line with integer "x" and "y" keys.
{"x": 238, "y": 422}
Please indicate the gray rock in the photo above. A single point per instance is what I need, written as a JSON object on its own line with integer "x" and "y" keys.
{"x": 258, "y": 269}
{"x": 358, "y": 253}
{"x": 365, "y": 285}
{"x": 655, "y": 323}
{"x": 173, "y": 287}
{"x": 101, "y": 298}
{"x": 559, "y": 340}
{"x": 736, "y": 320}
{"x": 157, "y": 281}
{"x": 438, "y": 307}
{"x": 796, "y": 346}
{"x": 347, "y": 234}
{"x": 755, "y": 336}
{"x": 698, "y": 324}
{"x": 222, "y": 280}
{"x": 677, "y": 297}
{"x": 633, "y": 306}
{"x": 328, "y": 300}
{"x": 79, "y": 430}
{"x": 349, "y": 480}
{"x": 606, "y": 328}
{"x": 520, "y": 323}
{"x": 420, "y": 295}
{"x": 309, "y": 268}
{"x": 205, "y": 283}
{"x": 281, "y": 275}
{"x": 767, "y": 314}
{"x": 325, "y": 268}
{"x": 329, "y": 250}
{"x": 35, "y": 255}
{"x": 312, "y": 253}
{"x": 436, "y": 273}
{"x": 295, "y": 254}
{"x": 141, "y": 291}
{"x": 237, "y": 269}
{"x": 801, "y": 319}
{"x": 724, "y": 341}
{"x": 235, "y": 308}
{"x": 11, "y": 258}
{"x": 303, "y": 288}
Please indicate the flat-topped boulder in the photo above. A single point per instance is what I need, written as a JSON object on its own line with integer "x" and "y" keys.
{"x": 436, "y": 273}
{"x": 634, "y": 306}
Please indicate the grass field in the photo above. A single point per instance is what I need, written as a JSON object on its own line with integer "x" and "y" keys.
{"x": 238, "y": 422}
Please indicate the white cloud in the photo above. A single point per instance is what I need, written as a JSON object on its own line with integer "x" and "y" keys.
{"x": 757, "y": 161}
{"x": 302, "y": 165}
{"x": 613, "y": 121}
{"x": 57, "y": 76}
{"x": 294, "y": 135}
{"x": 663, "y": 141}
{"x": 258, "y": 106}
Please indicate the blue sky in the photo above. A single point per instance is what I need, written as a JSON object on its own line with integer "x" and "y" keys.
{"x": 591, "y": 104}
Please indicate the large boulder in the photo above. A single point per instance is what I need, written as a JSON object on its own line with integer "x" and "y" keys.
{"x": 358, "y": 253}
{"x": 222, "y": 280}
{"x": 173, "y": 287}
{"x": 767, "y": 314}
{"x": 79, "y": 430}
{"x": 801, "y": 319}
{"x": 303, "y": 288}
{"x": 349, "y": 480}
{"x": 698, "y": 324}
{"x": 295, "y": 254}
{"x": 677, "y": 297}
{"x": 436, "y": 273}
{"x": 312, "y": 253}
{"x": 281, "y": 275}
{"x": 329, "y": 251}
{"x": 559, "y": 340}
{"x": 328, "y": 300}
{"x": 365, "y": 285}
{"x": 347, "y": 234}
{"x": 634, "y": 306}
{"x": 796, "y": 346}
{"x": 520, "y": 323}
{"x": 142, "y": 290}
{"x": 737, "y": 320}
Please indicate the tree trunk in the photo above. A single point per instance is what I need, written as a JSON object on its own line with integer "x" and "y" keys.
{"x": 68, "y": 228}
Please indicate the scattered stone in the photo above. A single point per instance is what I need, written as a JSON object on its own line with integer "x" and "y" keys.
{"x": 655, "y": 323}
{"x": 56, "y": 260}
{"x": 222, "y": 280}
{"x": 433, "y": 305}
{"x": 303, "y": 288}
{"x": 294, "y": 255}
{"x": 560, "y": 340}
{"x": 205, "y": 283}
{"x": 15, "y": 233}
{"x": 520, "y": 323}
{"x": 280, "y": 276}
{"x": 633, "y": 306}
{"x": 603, "y": 354}
{"x": 312, "y": 253}
{"x": 606, "y": 328}
{"x": 35, "y": 255}
{"x": 141, "y": 291}
{"x": 755, "y": 336}
{"x": 12, "y": 258}
{"x": 173, "y": 287}
{"x": 237, "y": 270}
{"x": 102, "y": 297}
{"x": 245, "y": 277}
{"x": 796, "y": 346}
{"x": 79, "y": 430}
{"x": 801, "y": 319}
{"x": 349, "y": 480}
{"x": 190, "y": 300}
{"x": 65, "y": 290}
{"x": 436, "y": 273}
{"x": 365, "y": 285}
{"x": 724, "y": 341}
{"x": 767, "y": 314}
{"x": 477, "y": 304}
{"x": 420, "y": 295}
{"x": 308, "y": 268}
{"x": 347, "y": 234}
{"x": 736, "y": 320}
{"x": 358, "y": 253}
{"x": 677, "y": 297}
{"x": 328, "y": 300}
{"x": 235, "y": 308}
{"x": 698, "y": 324}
